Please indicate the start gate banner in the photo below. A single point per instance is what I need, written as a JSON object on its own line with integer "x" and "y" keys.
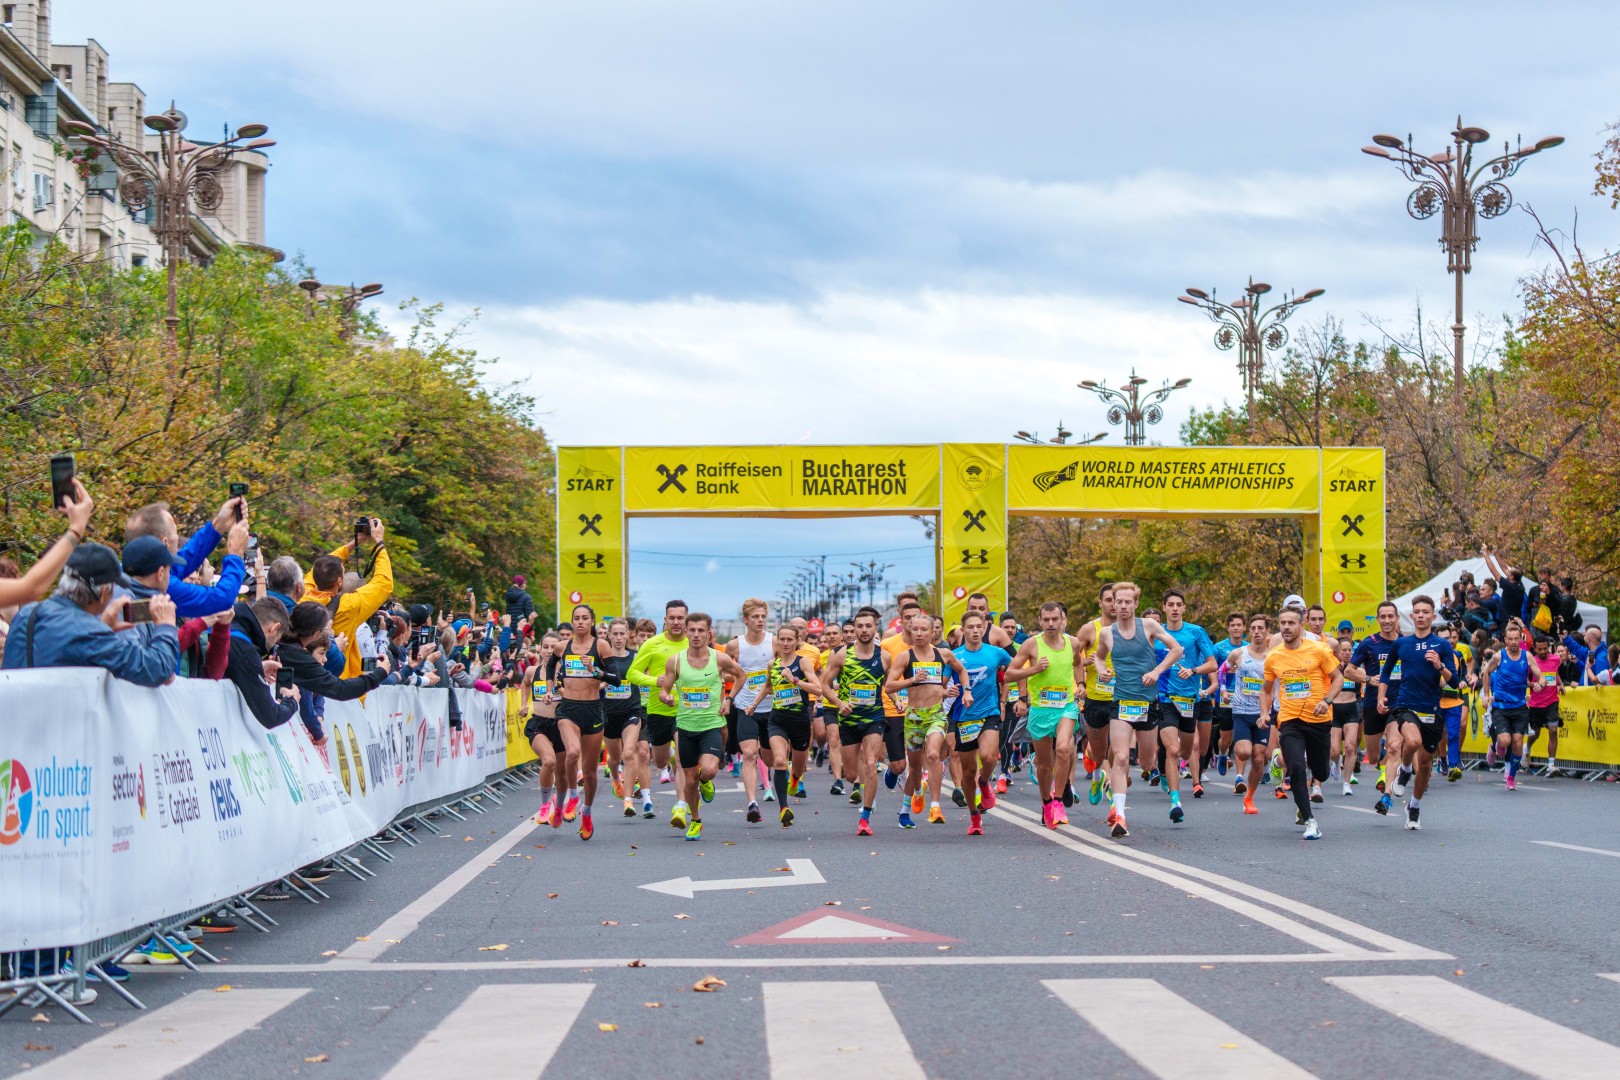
{"x": 1143, "y": 481}
{"x": 122, "y": 805}
{"x": 783, "y": 479}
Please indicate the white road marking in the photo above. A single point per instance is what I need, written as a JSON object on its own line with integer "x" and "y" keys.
{"x": 397, "y": 927}
{"x": 804, "y": 872}
{"x": 1518, "y": 1039}
{"x": 1357, "y": 809}
{"x": 170, "y": 1038}
{"x": 1577, "y": 847}
{"x": 1135, "y": 1014}
{"x": 514, "y": 1029}
{"x": 819, "y": 1029}
{"x": 1394, "y": 948}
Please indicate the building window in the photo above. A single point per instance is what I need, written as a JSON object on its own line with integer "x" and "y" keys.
{"x": 63, "y": 72}
{"x": 8, "y": 13}
{"x": 44, "y": 190}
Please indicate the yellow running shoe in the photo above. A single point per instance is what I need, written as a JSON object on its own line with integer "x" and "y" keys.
{"x": 936, "y": 816}
{"x": 677, "y": 816}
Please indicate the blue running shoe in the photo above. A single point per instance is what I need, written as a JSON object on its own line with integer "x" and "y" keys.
{"x": 905, "y": 820}
{"x": 891, "y": 780}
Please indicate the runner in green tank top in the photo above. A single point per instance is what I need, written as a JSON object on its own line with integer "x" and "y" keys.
{"x": 1046, "y": 664}
{"x": 692, "y": 684}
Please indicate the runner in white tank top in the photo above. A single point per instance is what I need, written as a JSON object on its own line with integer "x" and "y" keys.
{"x": 751, "y": 702}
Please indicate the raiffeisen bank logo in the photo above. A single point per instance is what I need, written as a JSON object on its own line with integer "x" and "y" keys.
{"x": 16, "y": 801}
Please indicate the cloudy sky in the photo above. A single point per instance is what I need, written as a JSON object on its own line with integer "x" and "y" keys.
{"x": 735, "y": 221}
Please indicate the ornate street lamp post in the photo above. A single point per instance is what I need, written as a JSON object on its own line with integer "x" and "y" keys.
{"x": 1130, "y": 407}
{"x": 1253, "y": 329}
{"x": 184, "y": 174}
{"x": 1061, "y": 438}
{"x": 1449, "y": 184}
{"x": 347, "y": 298}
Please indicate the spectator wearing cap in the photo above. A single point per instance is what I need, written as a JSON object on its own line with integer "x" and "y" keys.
{"x": 256, "y": 629}
{"x": 148, "y": 568}
{"x": 1346, "y": 630}
{"x": 324, "y": 585}
{"x": 519, "y": 604}
{"x": 190, "y": 600}
{"x": 76, "y": 625}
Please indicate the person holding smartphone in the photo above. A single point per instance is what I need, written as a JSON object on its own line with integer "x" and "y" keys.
{"x": 230, "y": 523}
{"x": 14, "y": 592}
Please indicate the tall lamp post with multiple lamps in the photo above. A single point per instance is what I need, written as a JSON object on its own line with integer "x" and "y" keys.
{"x": 348, "y": 298}
{"x": 1451, "y": 185}
{"x": 184, "y": 175}
{"x": 1254, "y": 329}
{"x": 1061, "y": 438}
{"x": 1129, "y": 406}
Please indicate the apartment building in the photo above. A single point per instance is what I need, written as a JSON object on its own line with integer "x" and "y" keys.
{"x": 44, "y": 180}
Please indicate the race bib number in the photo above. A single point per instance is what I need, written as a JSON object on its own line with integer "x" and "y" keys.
{"x": 902, "y": 700}
{"x": 1395, "y": 672}
{"x": 1054, "y": 697}
{"x": 1251, "y": 687}
{"x": 576, "y": 667}
{"x": 1105, "y": 685}
{"x": 1549, "y": 679}
{"x": 786, "y": 697}
{"x": 1226, "y": 697}
{"x": 619, "y": 693}
{"x": 1012, "y": 695}
{"x": 1297, "y": 689}
{"x": 1133, "y": 710}
{"x": 1184, "y": 705}
{"x": 968, "y": 730}
{"x": 863, "y": 695}
{"x": 928, "y": 672}
{"x": 755, "y": 680}
{"x": 1425, "y": 717}
{"x": 695, "y": 697}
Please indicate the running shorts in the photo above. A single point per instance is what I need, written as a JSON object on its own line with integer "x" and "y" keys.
{"x": 1373, "y": 722}
{"x": 1221, "y": 717}
{"x": 585, "y": 715}
{"x": 1510, "y": 721}
{"x": 1542, "y": 716}
{"x": 692, "y": 746}
{"x": 659, "y": 730}
{"x": 1043, "y": 722}
{"x": 795, "y": 729}
{"x": 1430, "y": 730}
{"x": 1170, "y": 717}
{"x": 894, "y": 737}
{"x": 1345, "y": 712}
{"x": 853, "y": 729}
{"x": 1098, "y": 712}
{"x": 544, "y": 725}
{"x": 614, "y": 721}
{"x": 1249, "y": 728}
{"x": 1141, "y": 715}
{"x": 742, "y": 727}
{"x": 967, "y": 732}
{"x": 923, "y": 722}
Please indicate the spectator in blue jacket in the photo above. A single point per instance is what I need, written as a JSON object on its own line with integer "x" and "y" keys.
{"x": 284, "y": 581}
{"x": 76, "y": 626}
{"x": 198, "y": 600}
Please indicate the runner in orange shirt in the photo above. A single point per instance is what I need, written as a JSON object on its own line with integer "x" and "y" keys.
{"x": 1302, "y": 676}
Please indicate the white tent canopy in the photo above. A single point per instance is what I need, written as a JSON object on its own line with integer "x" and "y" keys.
{"x": 1591, "y": 614}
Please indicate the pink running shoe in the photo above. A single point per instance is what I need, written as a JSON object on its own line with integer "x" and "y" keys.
{"x": 987, "y": 797}
{"x": 1512, "y": 783}
{"x": 544, "y": 816}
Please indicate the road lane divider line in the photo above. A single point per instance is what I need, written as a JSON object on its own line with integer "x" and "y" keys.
{"x": 1577, "y": 847}
{"x": 514, "y": 1029}
{"x": 818, "y": 1029}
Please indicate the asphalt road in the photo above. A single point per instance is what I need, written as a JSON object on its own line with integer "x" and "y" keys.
{"x": 1223, "y": 946}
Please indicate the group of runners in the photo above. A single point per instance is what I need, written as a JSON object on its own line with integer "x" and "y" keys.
{"x": 1277, "y": 702}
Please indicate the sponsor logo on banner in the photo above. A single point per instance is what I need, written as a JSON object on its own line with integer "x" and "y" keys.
{"x": 1347, "y": 479}
{"x": 972, "y": 472}
{"x": 128, "y": 785}
{"x": 1046, "y": 481}
{"x": 48, "y": 804}
{"x": 295, "y": 790}
{"x": 16, "y": 801}
{"x": 221, "y": 791}
{"x": 359, "y": 762}
{"x": 175, "y": 785}
{"x": 845, "y": 477}
{"x": 254, "y": 770}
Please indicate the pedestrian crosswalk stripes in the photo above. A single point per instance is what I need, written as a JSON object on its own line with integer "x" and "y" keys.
{"x": 168, "y": 1039}
{"x": 813, "y": 1029}
{"x": 819, "y": 1029}
{"x": 1516, "y": 1038}
{"x": 515, "y": 1028}
{"x": 1134, "y": 1014}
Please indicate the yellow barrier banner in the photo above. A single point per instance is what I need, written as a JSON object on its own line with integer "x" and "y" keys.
{"x": 1351, "y": 536}
{"x": 590, "y": 530}
{"x": 973, "y": 524}
{"x": 518, "y": 749}
{"x": 1591, "y": 726}
{"x": 1143, "y": 481}
{"x": 780, "y": 479}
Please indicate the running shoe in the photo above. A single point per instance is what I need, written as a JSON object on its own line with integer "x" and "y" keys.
{"x": 1156, "y": 777}
{"x": 112, "y": 971}
{"x": 618, "y": 786}
{"x": 706, "y": 789}
{"x": 837, "y": 787}
{"x": 1112, "y": 814}
{"x": 1383, "y": 804}
{"x": 1094, "y": 792}
{"x": 1059, "y": 815}
{"x": 217, "y": 924}
{"x": 1248, "y": 805}
{"x": 1120, "y": 831}
{"x": 855, "y": 795}
{"x": 959, "y": 797}
{"x": 786, "y": 816}
{"x": 1403, "y": 776}
{"x": 1265, "y": 776}
{"x": 1454, "y": 774}
{"x": 694, "y": 831}
{"x": 974, "y": 828}
{"x": 1198, "y": 791}
{"x": 1239, "y": 786}
{"x": 936, "y": 816}
{"x": 677, "y": 816}
{"x": 543, "y": 817}
{"x": 987, "y": 798}
{"x": 1490, "y": 756}
{"x": 1220, "y": 764}
{"x": 1349, "y": 790}
{"x": 1185, "y": 772}
{"x": 1281, "y": 793}
{"x": 1068, "y": 793}
{"x": 153, "y": 952}
{"x": 1412, "y": 824}
{"x": 1177, "y": 814}
{"x": 571, "y": 808}
{"x": 1299, "y": 817}
{"x": 586, "y": 829}
{"x": 905, "y": 820}
{"x": 179, "y": 945}
{"x": 1085, "y": 759}
{"x": 1276, "y": 766}
{"x": 1046, "y": 815}
{"x": 1511, "y": 783}
{"x": 798, "y": 789}
{"x": 753, "y": 813}
{"x": 1312, "y": 830}
{"x": 891, "y": 780}
{"x": 917, "y": 803}
{"x": 736, "y": 766}
{"x": 646, "y": 805}
{"x": 665, "y": 776}
{"x": 629, "y": 807}
{"x": 1382, "y": 779}
{"x": 863, "y": 827}
{"x": 770, "y": 794}
{"x": 1150, "y": 775}
{"x": 556, "y": 814}
{"x": 1354, "y": 779}
{"x": 1316, "y": 791}
{"x": 1001, "y": 784}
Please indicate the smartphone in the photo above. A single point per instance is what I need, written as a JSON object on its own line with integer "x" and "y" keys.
{"x": 252, "y": 555}
{"x": 61, "y": 479}
{"x": 138, "y": 611}
{"x": 239, "y": 491}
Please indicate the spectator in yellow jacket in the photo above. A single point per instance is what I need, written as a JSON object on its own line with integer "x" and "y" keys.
{"x": 324, "y": 585}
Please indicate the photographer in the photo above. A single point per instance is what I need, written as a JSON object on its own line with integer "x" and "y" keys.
{"x": 148, "y": 569}
{"x": 191, "y": 600}
{"x": 255, "y": 631}
{"x": 430, "y": 662}
{"x": 324, "y": 583}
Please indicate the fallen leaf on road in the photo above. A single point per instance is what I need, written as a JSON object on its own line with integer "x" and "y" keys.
{"x": 551, "y": 896}
{"x": 781, "y": 869}
{"x": 866, "y": 907}
{"x": 367, "y": 937}
{"x": 607, "y": 1027}
{"x": 539, "y": 845}
{"x": 1229, "y": 1046}
{"x": 833, "y": 903}
{"x": 1053, "y": 877}
{"x": 652, "y": 1004}
{"x": 492, "y": 948}
{"x": 944, "y": 948}
{"x": 636, "y": 963}
{"x": 1458, "y": 972}
{"x": 466, "y": 838}
{"x": 729, "y": 843}
{"x": 708, "y": 984}
{"x": 515, "y": 855}
{"x": 683, "y": 915}
{"x": 393, "y": 941}
{"x": 318, "y": 1058}
{"x": 37, "y": 1046}
{"x": 609, "y": 922}
{"x": 698, "y": 1040}
{"x": 1068, "y": 933}
{"x": 223, "y": 988}
{"x": 39, "y": 1018}
{"x": 330, "y": 952}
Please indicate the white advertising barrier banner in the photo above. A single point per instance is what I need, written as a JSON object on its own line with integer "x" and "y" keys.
{"x": 121, "y": 805}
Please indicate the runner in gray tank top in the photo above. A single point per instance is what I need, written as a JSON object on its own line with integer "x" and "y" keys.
{"x": 1128, "y": 644}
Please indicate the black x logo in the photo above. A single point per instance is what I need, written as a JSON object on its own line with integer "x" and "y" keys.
{"x": 591, "y": 560}
{"x": 1352, "y": 524}
{"x": 588, "y": 524}
{"x": 974, "y": 521}
{"x": 672, "y": 478}
{"x": 1347, "y": 561}
{"x": 969, "y": 556}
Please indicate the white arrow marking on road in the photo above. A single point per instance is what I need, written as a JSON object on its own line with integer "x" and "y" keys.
{"x": 804, "y": 872}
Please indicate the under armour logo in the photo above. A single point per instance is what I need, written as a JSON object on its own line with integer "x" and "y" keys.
{"x": 596, "y": 560}
{"x": 1357, "y": 561}
{"x": 588, "y": 524}
{"x": 969, "y": 556}
{"x": 1352, "y": 524}
{"x": 974, "y": 521}
{"x": 672, "y": 478}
